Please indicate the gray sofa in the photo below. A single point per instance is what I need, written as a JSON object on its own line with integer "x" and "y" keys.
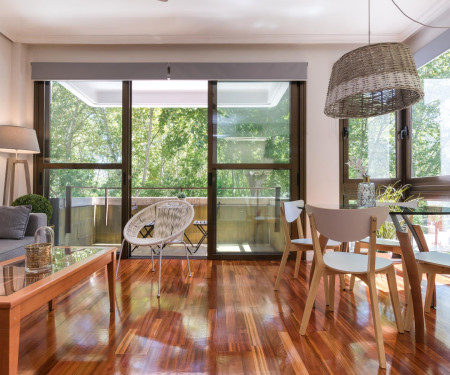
{"x": 13, "y": 248}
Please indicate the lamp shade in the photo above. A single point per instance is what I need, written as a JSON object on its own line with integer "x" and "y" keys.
{"x": 373, "y": 80}
{"x": 18, "y": 139}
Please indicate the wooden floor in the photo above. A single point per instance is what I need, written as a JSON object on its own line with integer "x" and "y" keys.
{"x": 226, "y": 319}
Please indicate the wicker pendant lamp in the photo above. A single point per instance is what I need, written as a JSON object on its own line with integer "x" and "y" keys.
{"x": 373, "y": 80}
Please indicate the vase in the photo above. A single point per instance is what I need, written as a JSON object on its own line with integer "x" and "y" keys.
{"x": 366, "y": 193}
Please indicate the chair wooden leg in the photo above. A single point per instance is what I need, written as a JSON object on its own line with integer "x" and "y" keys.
{"x": 376, "y": 320}
{"x": 344, "y": 248}
{"x": 394, "y": 299}
{"x": 326, "y": 288}
{"x": 357, "y": 250}
{"x": 297, "y": 264}
{"x": 318, "y": 272}
{"x": 282, "y": 266}
{"x": 331, "y": 288}
{"x": 342, "y": 281}
{"x": 430, "y": 291}
{"x": 405, "y": 281}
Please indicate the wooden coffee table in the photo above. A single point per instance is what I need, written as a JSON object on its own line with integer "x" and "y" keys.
{"x": 21, "y": 293}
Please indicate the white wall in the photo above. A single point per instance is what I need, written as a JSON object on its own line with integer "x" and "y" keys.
{"x": 322, "y": 132}
{"x": 16, "y": 101}
{"x": 5, "y": 98}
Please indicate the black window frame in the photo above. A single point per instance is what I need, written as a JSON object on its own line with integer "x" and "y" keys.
{"x": 433, "y": 188}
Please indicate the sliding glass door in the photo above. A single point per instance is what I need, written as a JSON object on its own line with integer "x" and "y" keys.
{"x": 232, "y": 147}
{"x": 253, "y": 165}
{"x": 81, "y": 130}
{"x": 170, "y": 153}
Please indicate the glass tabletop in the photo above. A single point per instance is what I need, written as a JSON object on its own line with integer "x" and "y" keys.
{"x": 13, "y": 276}
{"x": 421, "y": 210}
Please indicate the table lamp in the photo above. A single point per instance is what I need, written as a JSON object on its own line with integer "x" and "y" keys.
{"x": 20, "y": 140}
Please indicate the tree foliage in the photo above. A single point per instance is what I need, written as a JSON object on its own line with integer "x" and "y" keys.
{"x": 426, "y": 131}
{"x": 169, "y": 147}
{"x": 373, "y": 141}
{"x": 426, "y": 120}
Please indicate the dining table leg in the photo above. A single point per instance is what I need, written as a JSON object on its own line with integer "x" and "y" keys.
{"x": 421, "y": 242}
{"x": 424, "y": 247}
{"x": 414, "y": 282}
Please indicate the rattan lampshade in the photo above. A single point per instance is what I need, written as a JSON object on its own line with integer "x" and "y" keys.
{"x": 373, "y": 80}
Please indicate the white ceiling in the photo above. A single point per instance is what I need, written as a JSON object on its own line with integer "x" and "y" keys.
{"x": 175, "y": 94}
{"x": 213, "y": 21}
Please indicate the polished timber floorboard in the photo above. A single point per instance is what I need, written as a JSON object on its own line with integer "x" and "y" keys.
{"x": 226, "y": 319}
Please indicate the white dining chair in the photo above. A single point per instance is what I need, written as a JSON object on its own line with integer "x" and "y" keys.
{"x": 290, "y": 212}
{"x": 432, "y": 263}
{"x": 390, "y": 245}
{"x": 170, "y": 218}
{"x": 350, "y": 226}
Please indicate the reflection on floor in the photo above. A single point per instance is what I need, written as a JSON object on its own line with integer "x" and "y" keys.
{"x": 225, "y": 319}
{"x": 245, "y": 248}
{"x": 171, "y": 251}
{"x": 178, "y": 250}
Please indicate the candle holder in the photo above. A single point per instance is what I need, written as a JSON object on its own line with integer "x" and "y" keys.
{"x": 38, "y": 257}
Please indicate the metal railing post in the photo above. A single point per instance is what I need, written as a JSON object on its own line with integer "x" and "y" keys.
{"x": 68, "y": 226}
{"x": 106, "y": 206}
{"x": 277, "y": 208}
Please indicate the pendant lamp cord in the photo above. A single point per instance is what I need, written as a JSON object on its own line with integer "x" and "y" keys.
{"x": 420, "y": 23}
{"x": 369, "y": 22}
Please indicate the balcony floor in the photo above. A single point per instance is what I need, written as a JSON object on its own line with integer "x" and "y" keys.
{"x": 232, "y": 248}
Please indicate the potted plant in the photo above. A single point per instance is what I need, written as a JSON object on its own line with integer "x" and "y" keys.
{"x": 392, "y": 193}
{"x": 181, "y": 196}
{"x": 38, "y": 203}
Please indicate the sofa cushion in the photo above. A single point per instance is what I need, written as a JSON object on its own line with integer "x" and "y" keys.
{"x": 13, "y": 248}
{"x": 14, "y": 221}
{"x": 36, "y": 220}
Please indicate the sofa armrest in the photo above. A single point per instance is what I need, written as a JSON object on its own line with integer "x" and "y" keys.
{"x": 35, "y": 221}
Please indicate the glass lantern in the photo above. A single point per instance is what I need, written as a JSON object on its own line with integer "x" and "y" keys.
{"x": 44, "y": 235}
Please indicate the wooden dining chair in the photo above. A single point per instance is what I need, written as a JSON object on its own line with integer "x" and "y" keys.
{"x": 350, "y": 226}
{"x": 432, "y": 263}
{"x": 390, "y": 245}
{"x": 290, "y": 212}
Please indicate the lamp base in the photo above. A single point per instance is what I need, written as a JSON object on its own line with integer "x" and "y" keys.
{"x": 8, "y": 191}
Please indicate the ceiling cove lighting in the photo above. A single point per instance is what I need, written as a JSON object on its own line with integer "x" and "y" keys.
{"x": 373, "y": 80}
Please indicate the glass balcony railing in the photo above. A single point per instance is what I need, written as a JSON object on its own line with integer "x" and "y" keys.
{"x": 92, "y": 215}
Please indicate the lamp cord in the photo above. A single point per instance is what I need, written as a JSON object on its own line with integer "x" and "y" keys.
{"x": 369, "y": 22}
{"x": 420, "y": 23}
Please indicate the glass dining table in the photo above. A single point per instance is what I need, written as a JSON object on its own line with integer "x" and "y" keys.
{"x": 397, "y": 214}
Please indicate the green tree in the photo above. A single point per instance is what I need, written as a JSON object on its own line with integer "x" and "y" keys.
{"x": 426, "y": 122}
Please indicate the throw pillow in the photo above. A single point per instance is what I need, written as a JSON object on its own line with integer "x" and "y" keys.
{"x": 14, "y": 221}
